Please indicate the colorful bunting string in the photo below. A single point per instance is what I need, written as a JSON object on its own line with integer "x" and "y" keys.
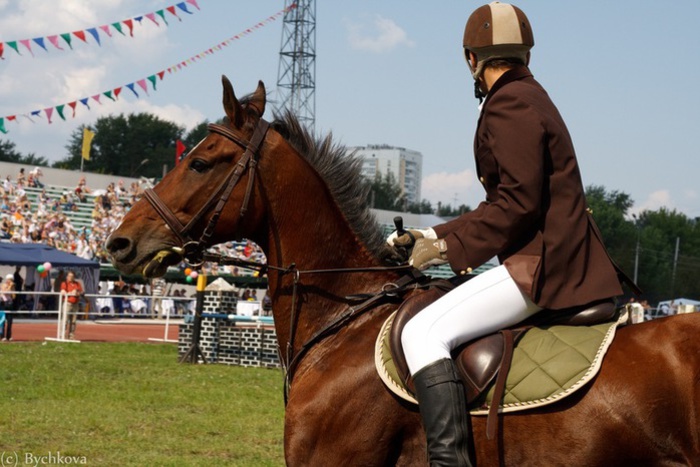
{"x": 140, "y": 84}
{"x": 67, "y": 37}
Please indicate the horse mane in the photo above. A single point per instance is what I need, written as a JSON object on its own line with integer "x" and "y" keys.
{"x": 341, "y": 170}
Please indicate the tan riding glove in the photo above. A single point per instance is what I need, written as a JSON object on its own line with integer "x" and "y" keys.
{"x": 428, "y": 253}
{"x": 410, "y": 237}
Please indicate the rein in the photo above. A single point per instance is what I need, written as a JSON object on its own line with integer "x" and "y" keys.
{"x": 412, "y": 280}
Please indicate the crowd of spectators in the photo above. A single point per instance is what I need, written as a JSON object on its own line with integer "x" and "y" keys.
{"x": 48, "y": 218}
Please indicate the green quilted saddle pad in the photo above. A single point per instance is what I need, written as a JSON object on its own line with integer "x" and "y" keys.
{"x": 550, "y": 363}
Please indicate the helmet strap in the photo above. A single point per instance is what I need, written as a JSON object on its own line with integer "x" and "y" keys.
{"x": 478, "y": 93}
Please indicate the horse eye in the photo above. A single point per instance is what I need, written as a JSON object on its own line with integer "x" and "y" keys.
{"x": 198, "y": 165}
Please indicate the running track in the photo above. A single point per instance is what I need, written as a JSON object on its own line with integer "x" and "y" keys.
{"x": 91, "y": 331}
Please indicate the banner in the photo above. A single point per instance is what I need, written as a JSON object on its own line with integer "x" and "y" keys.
{"x": 179, "y": 149}
{"x": 87, "y": 142}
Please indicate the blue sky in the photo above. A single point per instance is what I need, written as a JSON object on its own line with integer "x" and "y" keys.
{"x": 623, "y": 74}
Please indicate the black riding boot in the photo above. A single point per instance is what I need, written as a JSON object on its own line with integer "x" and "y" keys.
{"x": 443, "y": 408}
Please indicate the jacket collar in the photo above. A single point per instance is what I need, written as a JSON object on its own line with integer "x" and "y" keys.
{"x": 514, "y": 74}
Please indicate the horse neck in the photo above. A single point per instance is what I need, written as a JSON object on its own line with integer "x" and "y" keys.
{"x": 307, "y": 228}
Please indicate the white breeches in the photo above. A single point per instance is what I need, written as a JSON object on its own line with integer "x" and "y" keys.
{"x": 487, "y": 303}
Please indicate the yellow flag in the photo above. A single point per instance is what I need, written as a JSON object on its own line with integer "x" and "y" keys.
{"x": 87, "y": 141}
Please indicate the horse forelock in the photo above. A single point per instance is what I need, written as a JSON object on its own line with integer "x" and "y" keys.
{"x": 341, "y": 170}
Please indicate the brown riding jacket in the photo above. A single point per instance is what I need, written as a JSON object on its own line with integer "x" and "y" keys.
{"x": 535, "y": 217}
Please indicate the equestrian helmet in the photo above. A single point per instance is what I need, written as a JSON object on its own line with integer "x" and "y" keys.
{"x": 497, "y": 31}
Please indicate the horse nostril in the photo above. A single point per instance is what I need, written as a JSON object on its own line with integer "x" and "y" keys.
{"x": 119, "y": 247}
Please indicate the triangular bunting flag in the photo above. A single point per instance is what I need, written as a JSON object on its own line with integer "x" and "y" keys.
{"x": 13, "y": 44}
{"x": 11, "y": 118}
{"x": 117, "y": 91}
{"x": 172, "y": 11}
{"x": 59, "y": 109}
{"x": 66, "y": 37}
{"x": 95, "y": 34}
{"x": 152, "y": 79}
{"x": 161, "y": 13}
{"x": 96, "y": 97}
{"x": 161, "y": 74}
{"x": 28, "y": 45}
{"x": 108, "y": 94}
{"x": 40, "y": 42}
{"x": 80, "y": 35}
{"x": 54, "y": 41}
{"x": 72, "y": 106}
{"x": 106, "y": 29}
{"x": 130, "y": 24}
{"x": 138, "y": 18}
{"x": 49, "y": 112}
{"x": 152, "y": 17}
{"x": 183, "y": 7}
{"x": 2, "y": 50}
{"x": 37, "y": 113}
{"x": 131, "y": 87}
{"x": 2, "y": 125}
{"x": 142, "y": 85}
{"x": 118, "y": 27}
{"x": 85, "y": 101}
{"x": 193, "y": 3}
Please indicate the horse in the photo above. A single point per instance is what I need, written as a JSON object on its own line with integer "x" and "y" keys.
{"x": 301, "y": 198}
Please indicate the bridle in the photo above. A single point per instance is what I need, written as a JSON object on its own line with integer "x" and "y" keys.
{"x": 192, "y": 250}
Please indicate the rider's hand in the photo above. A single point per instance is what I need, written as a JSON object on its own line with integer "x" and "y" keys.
{"x": 409, "y": 238}
{"x": 428, "y": 253}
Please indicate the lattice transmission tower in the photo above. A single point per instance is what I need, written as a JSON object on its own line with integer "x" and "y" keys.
{"x": 296, "y": 75}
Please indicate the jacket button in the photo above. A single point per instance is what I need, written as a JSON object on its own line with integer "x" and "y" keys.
{"x": 482, "y": 180}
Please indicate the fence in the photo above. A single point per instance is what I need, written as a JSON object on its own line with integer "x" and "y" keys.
{"x": 234, "y": 340}
{"x": 52, "y": 305}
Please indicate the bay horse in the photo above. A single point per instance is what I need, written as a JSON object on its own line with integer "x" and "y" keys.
{"x": 303, "y": 201}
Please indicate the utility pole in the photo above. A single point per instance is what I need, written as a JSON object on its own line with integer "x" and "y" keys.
{"x": 636, "y": 250}
{"x": 675, "y": 265}
{"x": 296, "y": 75}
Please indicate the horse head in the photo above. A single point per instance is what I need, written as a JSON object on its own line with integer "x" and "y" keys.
{"x": 195, "y": 198}
{"x": 301, "y": 200}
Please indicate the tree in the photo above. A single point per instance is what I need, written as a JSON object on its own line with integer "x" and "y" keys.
{"x": 659, "y": 273}
{"x": 197, "y": 134}
{"x": 8, "y": 153}
{"x": 424, "y": 207}
{"x": 446, "y": 210}
{"x": 386, "y": 193}
{"x": 134, "y": 145}
{"x": 610, "y": 211}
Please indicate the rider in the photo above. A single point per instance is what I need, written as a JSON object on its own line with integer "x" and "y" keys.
{"x": 534, "y": 218}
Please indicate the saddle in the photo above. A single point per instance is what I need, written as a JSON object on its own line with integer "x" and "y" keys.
{"x": 486, "y": 360}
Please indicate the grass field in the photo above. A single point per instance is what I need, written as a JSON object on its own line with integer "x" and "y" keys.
{"x": 132, "y": 404}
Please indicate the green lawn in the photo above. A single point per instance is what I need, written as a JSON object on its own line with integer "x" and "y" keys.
{"x": 133, "y": 404}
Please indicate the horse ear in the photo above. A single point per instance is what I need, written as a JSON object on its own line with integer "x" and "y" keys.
{"x": 259, "y": 99}
{"x": 232, "y": 107}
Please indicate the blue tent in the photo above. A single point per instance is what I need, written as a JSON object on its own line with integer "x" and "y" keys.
{"x": 34, "y": 254}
